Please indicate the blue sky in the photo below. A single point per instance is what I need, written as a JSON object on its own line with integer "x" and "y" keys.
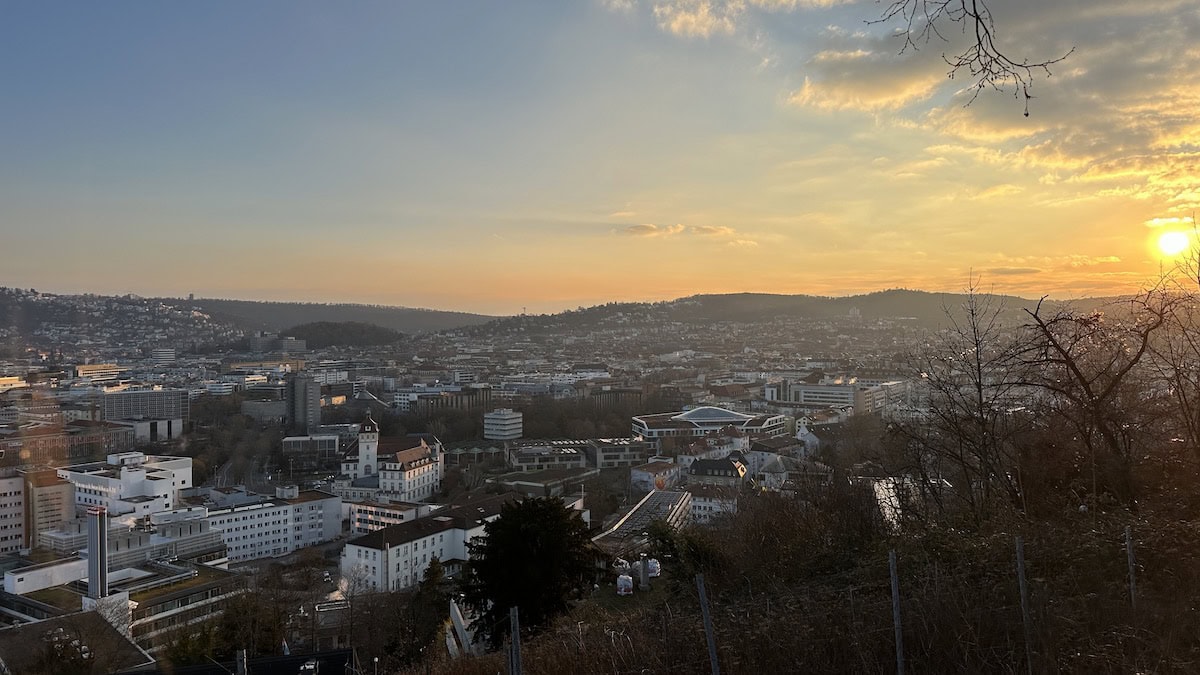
{"x": 493, "y": 156}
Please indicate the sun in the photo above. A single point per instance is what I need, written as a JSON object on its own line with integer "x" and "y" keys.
{"x": 1173, "y": 243}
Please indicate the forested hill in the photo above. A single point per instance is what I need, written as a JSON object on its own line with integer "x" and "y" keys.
{"x": 321, "y": 334}
{"x": 278, "y": 316}
{"x": 923, "y": 308}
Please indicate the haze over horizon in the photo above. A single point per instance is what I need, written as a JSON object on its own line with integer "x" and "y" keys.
{"x": 491, "y": 157}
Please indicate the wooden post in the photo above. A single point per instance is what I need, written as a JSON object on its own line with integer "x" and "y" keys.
{"x": 708, "y": 627}
{"x": 514, "y": 654}
{"x": 1025, "y": 622}
{"x": 896, "y": 612}
{"x": 1132, "y": 569}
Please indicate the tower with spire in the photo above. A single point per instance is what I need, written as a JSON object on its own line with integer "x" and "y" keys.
{"x": 368, "y": 447}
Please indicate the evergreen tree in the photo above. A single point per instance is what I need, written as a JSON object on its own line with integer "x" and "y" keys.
{"x": 537, "y": 556}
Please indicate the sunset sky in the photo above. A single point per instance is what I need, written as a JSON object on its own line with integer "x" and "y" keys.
{"x": 490, "y": 156}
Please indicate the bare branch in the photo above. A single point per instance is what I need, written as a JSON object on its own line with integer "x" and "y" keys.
{"x": 988, "y": 64}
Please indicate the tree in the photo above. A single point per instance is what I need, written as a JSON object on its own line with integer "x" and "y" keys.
{"x": 985, "y": 61}
{"x": 968, "y": 373}
{"x": 536, "y": 556}
{"x": 1090, "y": 367}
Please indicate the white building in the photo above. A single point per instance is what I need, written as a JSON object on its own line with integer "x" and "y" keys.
{"x": 130, "y": 482}
{"x": 703, "y": 420}
{"x": 413, "y": 474}
{"x": 408, "y": 469}
{"x": 503, "y": 424}
{"x": 278, "y": 526}
{"x": 711, "y": 501}
{"x": 367, "y": 517}
{"x": 396, "y": 557}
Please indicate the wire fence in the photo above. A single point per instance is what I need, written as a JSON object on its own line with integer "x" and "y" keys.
{"x": 1004, "y": 613}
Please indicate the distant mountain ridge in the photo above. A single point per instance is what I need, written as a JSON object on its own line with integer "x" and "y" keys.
{"x": 277, "y": 316}
{"x": 922, "y": 307}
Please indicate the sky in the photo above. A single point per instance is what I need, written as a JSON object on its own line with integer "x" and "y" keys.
{"x": 500, "y": 157}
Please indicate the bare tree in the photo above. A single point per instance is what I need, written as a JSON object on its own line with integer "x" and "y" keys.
{"x": 989, "y": 64}
{"x": 964, "y": 429}
{"x": 1090, "y": 367}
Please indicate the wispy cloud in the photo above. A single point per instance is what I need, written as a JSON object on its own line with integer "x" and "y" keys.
{"x": 652, "y": 230}
{"x": 713, "y": 230}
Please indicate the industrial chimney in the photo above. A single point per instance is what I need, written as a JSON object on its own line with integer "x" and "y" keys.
{"x": 97, "y": 522}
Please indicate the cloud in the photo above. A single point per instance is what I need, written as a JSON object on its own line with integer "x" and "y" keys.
{"x": 1004, "y": 190}
{"x": 713, "y": 230}
{"x": 1167, "y": 222}
{"x": 696, "y": 18}
{"x": 652, "y": 230}
{"x": 743, "y": 243}
{"x": 854, "y": 71}
{"x": 622, "y": 214}
{"x": 1012, "y": 271}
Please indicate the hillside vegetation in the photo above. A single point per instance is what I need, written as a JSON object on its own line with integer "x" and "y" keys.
{"x": 277, "y": 316}
{"x": 320, "y": 334}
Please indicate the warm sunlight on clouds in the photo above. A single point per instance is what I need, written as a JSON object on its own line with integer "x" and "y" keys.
{"x": 620, "y": 148}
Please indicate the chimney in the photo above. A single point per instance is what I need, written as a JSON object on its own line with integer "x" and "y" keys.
{"x": 97, "y": 522}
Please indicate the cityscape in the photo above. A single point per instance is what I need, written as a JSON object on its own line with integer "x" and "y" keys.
{"x": 614, "y": 336}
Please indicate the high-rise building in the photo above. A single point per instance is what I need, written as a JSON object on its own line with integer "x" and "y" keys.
{"x": 304, "y": 403}
{"x": 503, "y": 424}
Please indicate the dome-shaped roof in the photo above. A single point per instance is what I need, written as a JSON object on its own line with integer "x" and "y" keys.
{"x": 708, "y": 414}
{"x": 368, "y": 426}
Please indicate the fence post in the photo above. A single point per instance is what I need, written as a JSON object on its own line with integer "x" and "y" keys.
{"x": 896, "y": 612}
{"x": 1132, "y": 569}
{"x": 514, "y": 654}
{"x": 708, "y": 627}
{"x": 1025, "y": 622}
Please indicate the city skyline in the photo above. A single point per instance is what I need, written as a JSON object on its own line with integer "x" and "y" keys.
{"x": 494, "y": 158}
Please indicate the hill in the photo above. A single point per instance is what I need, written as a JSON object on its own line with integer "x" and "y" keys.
{"x": 320, "y": 334}
{"x": 278, "y": 316}
{"x": 921, "y": 307}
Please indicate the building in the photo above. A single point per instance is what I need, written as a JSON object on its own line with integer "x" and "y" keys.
{"x": 367, "y": 517}
{"x": 303, "y": 403}
{"x": 864, "y": 397}
{"x": 407, "y": 469}
{"x": 630, "y": 532}
{"x": 503, "y": 424}
{"x": 154, "y": 431}
{"x": 542, "y": 455}
{"x": 396, "y": 557}
{"x": 261, "y": 527}
{"x": 184, "y": 533}
{"x": 12, "y": 512}
{"x": 611, "y": 453}
{"x": 52, "y": 443}
{"x": 96, "y": 372}
{"x": 711, "y": 501}
{"x": 153, "y": 404}
{"x": 700, "y": 421}
{"x": 719, "y": 472}
{"x": 310, "y": 452}
{"x": 49, "y": 502}
{"x": 657, "y": 475}
{"x": 130, "y": 482}
{"x": 412, "y": 474}
{"x": 162, "y": 356}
